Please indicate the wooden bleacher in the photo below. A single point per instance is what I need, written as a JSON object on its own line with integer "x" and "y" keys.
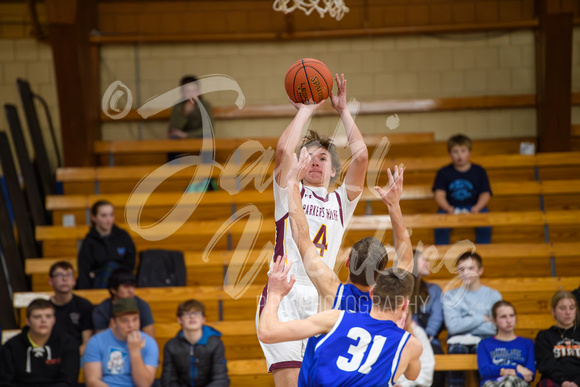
{"x": 534, "y": 201}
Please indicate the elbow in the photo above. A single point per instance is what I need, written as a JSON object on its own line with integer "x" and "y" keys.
{"x": 265, "y": 335}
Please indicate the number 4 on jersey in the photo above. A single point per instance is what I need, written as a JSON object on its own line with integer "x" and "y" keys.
{"x": 320, "y": 240}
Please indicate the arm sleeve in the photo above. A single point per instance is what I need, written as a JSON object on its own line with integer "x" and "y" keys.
{"x": 146, "y": 314}
{"x": 150, "y": 352}
{"x": 100, "y": 321}
{"x": 169, "y": 376}
{"x": 219, "y": 374}
{"x": 439, "y": 182}
{"x": 436, "y": 316}
{"x": 6, "y": 367}
{"x": 530, "y": 359}
{"x": 84, "y": 263}
{"x": 456, "y": 321}
{"x": 91, "y": 352}
{"x": 485, "y": 186}
{"x": 545, "y": 360}
{"x": 69, "y": 366}
{"x": 131, "y": 252}
{"x": 487, "y": 370}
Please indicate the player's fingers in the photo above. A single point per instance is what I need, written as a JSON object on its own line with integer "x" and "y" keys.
{"x": 390, "y": 176}
{"x": 292, "y": 280}
{"x": 287, "y": 268}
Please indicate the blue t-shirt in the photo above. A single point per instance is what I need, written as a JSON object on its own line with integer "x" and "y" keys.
{"x": 113, "y": 354}
{"x": 494, "y": 354}
{"x": 350, "y": 298}
{"x": 358, "y": 351}
{"x": 463, "y": 188}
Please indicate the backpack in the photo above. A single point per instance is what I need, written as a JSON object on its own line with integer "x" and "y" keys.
{"x": 159, "y": 268}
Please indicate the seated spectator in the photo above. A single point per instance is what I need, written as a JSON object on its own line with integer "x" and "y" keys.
{"x": 39, "y": 356}
{"x": 73, "y": 313}
{"x": 461, "y": 187}
{"x": 505, "y": 360}
{"x": 557, "y": 348}
{"x": 122, "y": 284}
{"x": 121, "y": 355}
{"x": 467, "y": 311}
{"x": 429, "y": 311}
{"x": 105, "y": 248}
{"x": 196, "y": 356}
{"x": 186, "y": 118}
{"x": 427, "y": 358}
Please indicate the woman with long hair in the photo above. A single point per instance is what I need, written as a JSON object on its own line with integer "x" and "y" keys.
{"x": 558, "y": 347}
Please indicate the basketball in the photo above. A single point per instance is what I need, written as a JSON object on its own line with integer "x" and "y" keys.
{"x": 308, "y": 79}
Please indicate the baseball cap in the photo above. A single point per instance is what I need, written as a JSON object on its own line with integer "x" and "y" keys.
{"x": 125, "y": 306}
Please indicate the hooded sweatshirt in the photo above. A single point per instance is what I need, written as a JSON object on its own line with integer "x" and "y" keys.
{"x": 96, "y": 250}
{"x": 558, "y": 354}
{"x": 199, "y": 364}
{"x": 56, "y": 364}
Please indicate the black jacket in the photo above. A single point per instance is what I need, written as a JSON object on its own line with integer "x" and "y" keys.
{"x": 96, "y": 251}
{"x": 200, "y": 364}
{"x": 55, "y": 365}
{"x": 557, "y": 357}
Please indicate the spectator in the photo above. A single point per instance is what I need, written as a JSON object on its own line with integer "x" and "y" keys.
{"x": 196, "y": 356}
{"x": 429, "y": 311}
{"x": 105, "y": 248}
{"x": 122, "y": 284}
{"x": 467, "y": 311}
{"x": 557, "y": 348}
{"x": 122, "y": 355}
{"x": 39, "y": 355}
{"x": 73, "y": 313}
{"x": 505, "y": 360}
{"x": 461, "y": 187}
{"x": 427, "y": 358}
{"x": 186, "y": 117}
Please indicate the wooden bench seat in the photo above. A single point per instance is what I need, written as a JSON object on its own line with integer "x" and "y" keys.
{"x": 95, "y": 180}
{"x": 211, "y": 205}
{"x": 501, "y": 260}
{"x": 520, "y": 226}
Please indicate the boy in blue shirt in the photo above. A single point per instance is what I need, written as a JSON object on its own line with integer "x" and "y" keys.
{"x": 121, "y": 356}
{"x": 461, "y": 187}
{"x": 348, "y": 349}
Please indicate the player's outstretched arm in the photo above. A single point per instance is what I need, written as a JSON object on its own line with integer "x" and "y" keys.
{"x": 270, "y": 329}
{"x": 324, "y": 278}
{"x": 290, "y": 138}
{"x": 391, "y": 197}
{"x": 355, "y": 176}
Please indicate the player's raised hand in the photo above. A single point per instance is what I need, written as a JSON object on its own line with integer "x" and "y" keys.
{"x": 299, "y": 166}
{"x": 392, "y": 194}
{"x": 309, "y": 105}
{"x": 278, "y": 283}
{"x": 339, "y": 100}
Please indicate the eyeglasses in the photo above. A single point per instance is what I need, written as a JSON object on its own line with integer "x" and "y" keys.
{"x": 63, "y": 275}
{"x": 195, "y": 313}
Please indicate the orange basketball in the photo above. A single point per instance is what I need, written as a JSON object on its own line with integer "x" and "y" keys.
{"x": 308, "y": 79}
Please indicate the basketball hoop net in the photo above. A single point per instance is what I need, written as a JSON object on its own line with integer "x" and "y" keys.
{"x": 335, "y": 8}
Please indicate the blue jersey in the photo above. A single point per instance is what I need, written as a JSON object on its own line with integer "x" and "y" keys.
{"x": 350, "y": 298}
{"x": 358, "y": 351}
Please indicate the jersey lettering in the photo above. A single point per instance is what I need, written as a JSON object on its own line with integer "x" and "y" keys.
{"x": 320, "y": 240}
{"x": 359, "y": 350}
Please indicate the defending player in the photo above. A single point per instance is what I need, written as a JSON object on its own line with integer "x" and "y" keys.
{"x": 367, "y": 256}
{"x": 327, "y": 215}
{"x": 348, "y": 349}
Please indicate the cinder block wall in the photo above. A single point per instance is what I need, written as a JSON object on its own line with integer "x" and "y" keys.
{"x": 376, "y": 68}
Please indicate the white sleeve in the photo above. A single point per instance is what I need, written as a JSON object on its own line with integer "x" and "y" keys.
{"x": 280, "y": 200}
{"x": 348, "y": 205}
